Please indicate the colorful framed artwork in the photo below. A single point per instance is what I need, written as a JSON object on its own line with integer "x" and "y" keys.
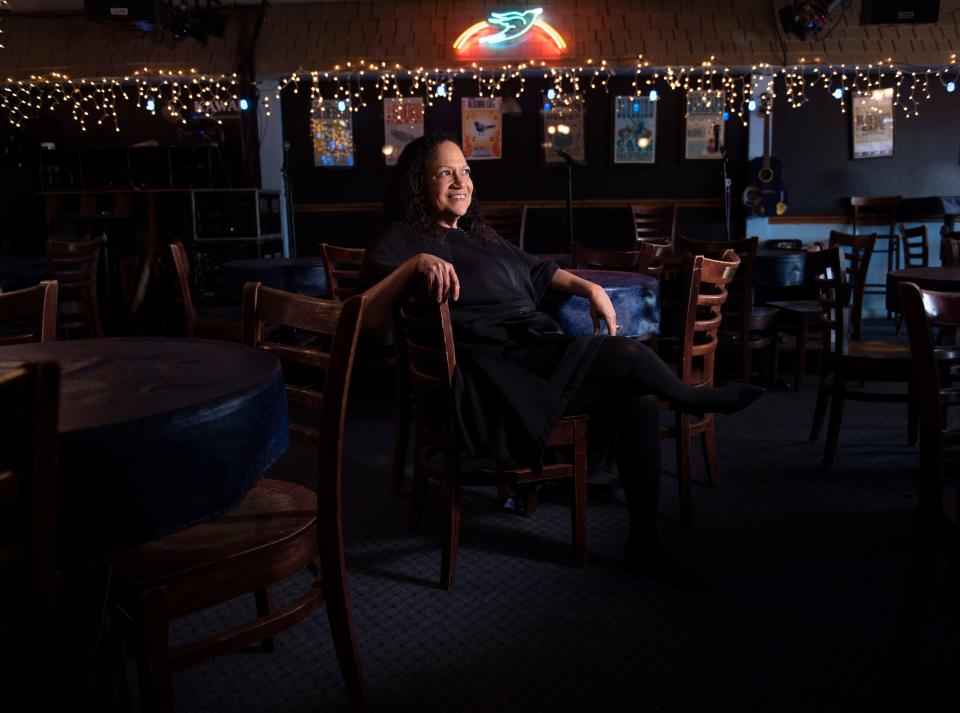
{"x": 562, "y": 130}
{"x": 704, "y": 133}
{"x": 872, "y": 122}
{"x": 331, "y": 128}
{"x": 482, "y": 123}
{"x": 634, "y": 130}
{"x": 402, "y": 123}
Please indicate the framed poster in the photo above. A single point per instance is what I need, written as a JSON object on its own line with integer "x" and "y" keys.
{"x": 482, "y": 127}
{"x": 872, "y": 120}
{"x": 402, "y": 123}
{"x": 705, "y": 127}
{"x": 562, "y": 131}
{"x": 634, "y": 130}
{"x": 331, "y": 126}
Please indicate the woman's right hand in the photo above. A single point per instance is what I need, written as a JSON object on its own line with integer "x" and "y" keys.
{"x": 441, "y": 278}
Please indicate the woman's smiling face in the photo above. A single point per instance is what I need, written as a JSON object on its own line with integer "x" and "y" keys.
{"x": 448, "y": 185}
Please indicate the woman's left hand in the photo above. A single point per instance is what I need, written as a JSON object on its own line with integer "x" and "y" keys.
{"x": 601, "y": 309}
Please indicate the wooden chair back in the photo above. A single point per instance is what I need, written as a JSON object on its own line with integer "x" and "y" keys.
{"x": 30, "y": 314}
{"x": 950, "y": 249}
{"x": 29, "y": 617}
{"x": 342, "y": 266}
{"x": 654, "y": 221}
{"x": 875, "y": 210}
{"x": 181, "y": 266}
{"x": 265, "y": 307}
{"x": 857, "y": 249}
{"x": 74, "y": 265}
{"x": 706, "y": 293}
{"x": 915, "y": 250}
{"x": 828, "y": 269}
{"x": 640, "y": 260}
{"x": 740, "y": 292}
{"x": 510, "y": 222}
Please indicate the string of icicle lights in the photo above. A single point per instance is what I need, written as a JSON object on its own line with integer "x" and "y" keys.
{"x": 356, "y": 85}
{"x": 4, "y": 7}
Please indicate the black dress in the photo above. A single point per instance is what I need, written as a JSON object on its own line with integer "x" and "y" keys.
{"x": 516, "y": 368}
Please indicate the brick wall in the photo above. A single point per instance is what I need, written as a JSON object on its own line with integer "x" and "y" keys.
{"x": 420, "y": 32}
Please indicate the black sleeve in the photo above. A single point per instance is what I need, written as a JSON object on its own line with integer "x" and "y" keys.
{"x": 384, "y": 256}
{"x": 541, "y": 271}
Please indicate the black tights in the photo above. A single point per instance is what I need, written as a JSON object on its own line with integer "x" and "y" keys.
{"x": 621, "y": 392}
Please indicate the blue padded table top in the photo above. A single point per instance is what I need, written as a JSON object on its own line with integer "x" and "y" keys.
{"x": 635, "y": 298}
{"x": 780, "y": 268}
{"x": 156, "y": 435}
{"x": 303, "y": 275}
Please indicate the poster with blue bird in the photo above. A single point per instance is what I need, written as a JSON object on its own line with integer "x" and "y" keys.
{"x": 634, "y": 130}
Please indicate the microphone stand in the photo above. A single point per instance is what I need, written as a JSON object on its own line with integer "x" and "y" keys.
{"x": 568, "y": 159}
{"x": 288, "y": 202}
{"x": 727, "y": 183}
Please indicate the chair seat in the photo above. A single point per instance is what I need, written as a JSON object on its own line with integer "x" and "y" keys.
{"x": 273, "y": 512}
{"x": 802, "y": 307}
{"x": 877, "y": 349}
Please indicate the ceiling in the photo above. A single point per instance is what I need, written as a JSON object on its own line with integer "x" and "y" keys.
{"x": 40, "y": 6}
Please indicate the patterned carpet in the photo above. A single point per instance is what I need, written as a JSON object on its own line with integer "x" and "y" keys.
{"x": 807, "y": 570}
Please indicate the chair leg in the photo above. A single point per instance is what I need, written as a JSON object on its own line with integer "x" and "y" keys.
{"x": 265, "y": 607}
{"x": 417, "y": 499}
{"x": 340, "y": 616}
{"x": 709, "y": 438}
{"x": 530, "y": 500}
{"x": 913, "y": 418}
{"x": 503, "y": 493}
{"x": 683, "y": 468}
{"x": 156, "y": 672}
{"x": 820, "y": 410}
{"x": 899, "y": 324}
{"x": 801, "y": 364}
{"x": 93, "y": 314}
{"x": 578, "y": 496}
{"x": 833, "y": 428}
{"x": 401, "y": 438}
{"x": 451, "y": 533}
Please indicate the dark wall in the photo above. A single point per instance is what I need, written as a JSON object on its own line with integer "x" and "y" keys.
{"x": 814, "y": 143}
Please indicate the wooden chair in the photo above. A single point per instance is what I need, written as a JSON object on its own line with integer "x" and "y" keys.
{"x": 30, "y": 617}
{"x": 655, "y": 221}
{"x": 706, "y": 293}
{"x": 643, "y": 259}
{"x": 194, "y": 325}
{"x": 424, "y": 330}
{"x": 510, "y": 222}
{"x": 29, "y": 315}
{"x": 879, "y": 210}
{"x": 745, "y": 325}
{"x": 915, "y": 252}
{"x": 74, "y": 266}
{"x": 937, "y": 528}
{"x": 846, "y": 359}
{"x": 342, "y": 266}
{"x": 950, "y": 251}
{"x": 277, "y": 530}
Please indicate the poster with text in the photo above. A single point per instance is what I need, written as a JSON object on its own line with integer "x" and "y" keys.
{"x": 331, "y": 125}
{"x": 402, "y": 123}
{"x": 634, "y": 130}
{"x": 704, "y": 133}
{"x": 482, "y": 123}
{"x": 562, "y": 130}
{"x": 873, "y": 124}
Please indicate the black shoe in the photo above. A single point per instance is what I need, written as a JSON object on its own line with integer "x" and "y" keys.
{"x": 658, "y": 563}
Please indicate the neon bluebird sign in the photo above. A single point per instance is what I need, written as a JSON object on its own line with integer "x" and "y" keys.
{"x": 523, "y": 33}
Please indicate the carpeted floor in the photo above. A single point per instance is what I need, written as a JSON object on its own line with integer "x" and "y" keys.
{"x": 807, "y": 570}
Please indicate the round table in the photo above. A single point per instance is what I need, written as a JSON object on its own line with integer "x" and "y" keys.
{"x": 939, "y": 279}
{"x": 635, "y": 298}
{"x": 779, "y": 268}
{"x": 303, "y": 275}
{"x": 156, "y": 435}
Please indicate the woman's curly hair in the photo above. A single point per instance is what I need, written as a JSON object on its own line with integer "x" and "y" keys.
{"x": 406, "y": 200}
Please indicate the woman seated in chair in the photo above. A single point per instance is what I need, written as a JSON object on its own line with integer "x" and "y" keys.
{"x": 518, "y": 372}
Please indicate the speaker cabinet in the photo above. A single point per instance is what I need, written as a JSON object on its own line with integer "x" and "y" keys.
{"x": 891, "y": 12}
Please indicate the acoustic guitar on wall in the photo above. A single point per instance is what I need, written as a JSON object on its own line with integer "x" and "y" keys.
{"x": 765, "y": 194}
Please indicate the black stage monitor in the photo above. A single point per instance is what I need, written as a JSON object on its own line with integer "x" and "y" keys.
{"x": 889, "y": 12}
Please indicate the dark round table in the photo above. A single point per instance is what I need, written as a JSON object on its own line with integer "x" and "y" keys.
{"x": 939, "y": 279}
{"x": 635, "y": 298}
{"x": 779, "y": 268}
{"x": 303, "y": 275}
{"x": 156, "y": 435}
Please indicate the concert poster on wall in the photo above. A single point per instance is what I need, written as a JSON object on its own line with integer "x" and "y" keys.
{"x": 402, "y": 123}
{"x": 873, "y": 124}
{"x": 482, "y": 123}
{"x": 634, "y": 130}
{"x": 562, "y": 130}
{"x": 331, "y": 125}
{"x": 705, "y": 128}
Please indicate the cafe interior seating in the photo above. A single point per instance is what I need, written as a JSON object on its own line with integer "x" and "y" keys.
{"x": 342, "y": 266}
{"x": 746, "y": 326}
{"x": 655, "y": 221}
{"x": 706, "y": 288}
{"x": 509, "y": 221}
{"x": 882, "y": 211}
{"x": 916, "y": 252}
{"x": 846, "y": 359}
{"x": 277, "y": 530}
{"x": 29, "y": 315}
{"x": 937, "y": 525}
{"x": 224, "y": 327}
{"x": 74, "y": 265}
{"x": 425, "y": 333}
{"x": 950, "y": 250}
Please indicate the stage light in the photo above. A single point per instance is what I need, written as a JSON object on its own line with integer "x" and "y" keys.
{"x": 244, "y": 105}
{"x": 752, "y": 105}
{"x": 838, "y": 93}
{"x": 551, "y": 93}
{"x": 341, "y": 105}
{"x": 654, "y": 95}
{"x": 151, "y": 105}
{"x": 803, "y": 18}
{"x": 441, "y": 90}
{"x": 951, "y": 86}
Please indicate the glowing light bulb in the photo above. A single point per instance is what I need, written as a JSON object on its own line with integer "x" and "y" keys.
{"x": 563, "y": 129}
{"x": 244, "y": 105}
{"x": 951, "y": 86}
{"x": 752, "y": 105}
{"x": 387, "y": 150}
{"x": 838, "y": 93}
{"x": 551, "y": 130}
{"x": 654, "y": 95}
{"x": 441, "y": 90}
{"x": 341, "y": 105}
{"x": 643, "y": 142}
{"x": 551, "y": 93}
{"x": 636, "y": 107}
{"x": 151, "y": 105}
{"x": 726, "y": 115}
{"x": 546, "y": 106}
